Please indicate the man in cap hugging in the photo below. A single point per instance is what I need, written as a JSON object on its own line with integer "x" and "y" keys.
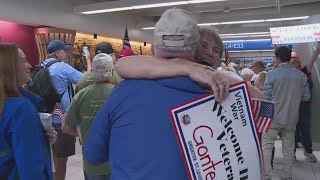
{"x": 133, "y": 129}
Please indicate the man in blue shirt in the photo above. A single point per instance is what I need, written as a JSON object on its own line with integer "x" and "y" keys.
{"x": 62, "y": 76}
{"x": 133, "y": 129}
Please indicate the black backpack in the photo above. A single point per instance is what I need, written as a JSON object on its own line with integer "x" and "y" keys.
{"x": 42, "y": 86}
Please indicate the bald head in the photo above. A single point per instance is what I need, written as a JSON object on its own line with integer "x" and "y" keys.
{"x": 258, "y": 66}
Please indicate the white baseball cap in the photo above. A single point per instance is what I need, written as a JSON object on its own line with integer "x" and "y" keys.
{"x": 102, "y": 66}
{"x": 176, "y": 28}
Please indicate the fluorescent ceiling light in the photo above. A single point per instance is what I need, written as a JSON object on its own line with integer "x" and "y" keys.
{"x": 248, "y": 40}
{"x": 258, "y": 39}
{"x": 107, "y": 10}
{"x": 247, "y": 36}
{"x": 287, "y": 19}
{"x": 160, "y": 5}
{"x": 242, "y": 22}
{"x": 148, "y": 28}
{"x": 253, "y": 33}
{"x": 250, "y": 21}
{"x": 208, "y": 24}
{"x": 226, "y": 37}
{"x": 202, "y": 1}
{"x": 174, "y": 3}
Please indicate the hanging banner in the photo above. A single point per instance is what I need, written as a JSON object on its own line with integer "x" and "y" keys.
{"x": 295, "y": 34}
{"x": 219, "y": 141}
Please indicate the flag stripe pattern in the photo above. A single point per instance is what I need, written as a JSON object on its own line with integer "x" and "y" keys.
{"x": 263, "y": 114}
{"x": 59, "y": 111}
{"x": 126, "y": 41}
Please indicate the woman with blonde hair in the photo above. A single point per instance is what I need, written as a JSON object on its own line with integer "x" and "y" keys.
{"x": 24, "y": 149}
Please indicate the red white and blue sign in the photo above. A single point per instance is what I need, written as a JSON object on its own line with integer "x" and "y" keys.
{"x": 219, "y": 141}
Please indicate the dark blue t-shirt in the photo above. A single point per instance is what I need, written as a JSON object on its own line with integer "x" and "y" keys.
{"x": 133, "y": 129}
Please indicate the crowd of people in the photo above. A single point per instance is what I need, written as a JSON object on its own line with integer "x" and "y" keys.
{"x": 124, "y": 126}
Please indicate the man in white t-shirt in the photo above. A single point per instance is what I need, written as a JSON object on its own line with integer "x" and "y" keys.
{"x": 257, "y": 67}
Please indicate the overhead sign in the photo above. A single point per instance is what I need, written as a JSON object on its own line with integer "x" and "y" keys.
{"x": 219, "y": 141}
{"x": 248, "y": 45}
{"x": 295, "y": 34}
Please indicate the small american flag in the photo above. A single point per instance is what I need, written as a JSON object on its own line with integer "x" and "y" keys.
{"x": 59, "y": 111}
{"x": 263, "y": 112}
{"x": 126, "y": 42}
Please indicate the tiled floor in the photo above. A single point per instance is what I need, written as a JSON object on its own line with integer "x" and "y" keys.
{"x": 302, "y": 170}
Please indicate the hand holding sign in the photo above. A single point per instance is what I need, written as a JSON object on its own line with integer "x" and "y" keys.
{"x": 219, "y": 142}
{"x": 295, "y": 34}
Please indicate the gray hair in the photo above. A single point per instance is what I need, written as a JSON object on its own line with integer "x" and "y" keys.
{"x": 247, "y": 74}
{"x": 51, "y": 55}
{"x": 100, "y": 77}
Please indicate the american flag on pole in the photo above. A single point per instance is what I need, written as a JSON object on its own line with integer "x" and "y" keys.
{"x": 59, "y": 111}
{"x": 263, "y": 112}
{"x": 126, "y": 42}
{"x": 227, "y": 58}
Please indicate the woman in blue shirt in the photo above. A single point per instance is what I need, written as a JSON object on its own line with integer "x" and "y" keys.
{"x": 24, "y": 148}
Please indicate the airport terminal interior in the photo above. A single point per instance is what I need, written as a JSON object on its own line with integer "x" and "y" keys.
{"x": 118, "y": 89}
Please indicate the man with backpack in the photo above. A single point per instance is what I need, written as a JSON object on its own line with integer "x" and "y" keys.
{"x": 62, "y": 76}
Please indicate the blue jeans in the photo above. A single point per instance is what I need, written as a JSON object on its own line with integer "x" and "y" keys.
{"x": 97, "y": 177}
{"x": 303, "y": 128}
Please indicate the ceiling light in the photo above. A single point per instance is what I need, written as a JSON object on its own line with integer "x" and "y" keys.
{"x": 144, "y": 6}
{"x": 258, "y": 40}
{"x": 243, "y": 22}
{"x": 226, "y": 37}
{"x": 247, "y": 36}
{"x": 287, "y": 19}
{"x": 248, "y": 40}
{"x": 249, "y": 21}
{"x": 148, "y": 28}
{"x": 202, "y": 1}
{"x": 253, "y": 33}
{"x": 160, "y": 5}
{"x": 208, "y": 24}
{"x": 107, "y": 10}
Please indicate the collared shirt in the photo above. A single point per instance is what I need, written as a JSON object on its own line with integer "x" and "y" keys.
{"x": 286, "y": 86}
{"x": 133, "y": 129}
{"x": 62, "y": 75}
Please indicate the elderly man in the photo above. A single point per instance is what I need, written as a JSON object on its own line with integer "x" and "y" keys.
{"x": 62, "y": 76}
{"x": 84, "y": 106}
{"x": 133, "y": 129}
{"x": 281, "y": 82}
{"x": 258, "y": 68}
